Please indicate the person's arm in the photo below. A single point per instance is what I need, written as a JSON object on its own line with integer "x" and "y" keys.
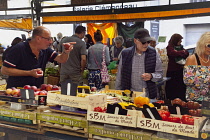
{"x": 83, "y": 62}
{"x": 118, "y": 78}
{"x": 157, "y": 75}
{"x": 174, "y": 53}
{"x": 17, "y": 72}
{"x": 63, "y": 57}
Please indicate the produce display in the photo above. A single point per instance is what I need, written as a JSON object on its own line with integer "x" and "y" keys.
{"x": 15, "y": 92}
{"x": 119, "y": 105}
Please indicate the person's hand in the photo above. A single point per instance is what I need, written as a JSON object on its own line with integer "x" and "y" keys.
{"x": 36, "y": 73}
{"x": 146, "y": 76}
{"x": 115, "y": 59}
{"x": 68, "y": 46}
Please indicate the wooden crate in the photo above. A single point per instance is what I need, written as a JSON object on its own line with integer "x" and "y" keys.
{"x": 122, "y": 120}
{"x": 63, "y": 122}
{"x": 171, "y": 127}
{"x": 102, "y": 131}
{"x": 53, "y": 80}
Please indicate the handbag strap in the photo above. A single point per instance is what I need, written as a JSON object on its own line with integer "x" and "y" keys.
{"x": 104, "y": 53}
{"x": 95, "y": 58}
{"x": 197, "y": 58}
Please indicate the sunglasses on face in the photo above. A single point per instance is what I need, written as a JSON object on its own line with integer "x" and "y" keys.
{"x": 145, "y": 42}
{"x": 208, "y": 45}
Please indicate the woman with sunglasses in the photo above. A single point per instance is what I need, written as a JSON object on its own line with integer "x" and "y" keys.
{"x": 197, "y": 70}
{"x": 175, "y": 87}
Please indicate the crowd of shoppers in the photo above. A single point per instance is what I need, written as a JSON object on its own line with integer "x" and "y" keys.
{"x": 139, "y": 66}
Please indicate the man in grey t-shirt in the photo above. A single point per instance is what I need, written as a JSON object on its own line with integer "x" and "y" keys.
{"x": 75, "y": 65}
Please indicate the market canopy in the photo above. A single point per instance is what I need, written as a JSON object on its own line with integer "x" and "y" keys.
{"x": 18, "y": 24}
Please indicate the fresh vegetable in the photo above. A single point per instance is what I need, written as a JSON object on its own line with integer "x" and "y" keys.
{"x": 164, "y": 117}
{"x": 167, "y": 113}
{"x": 140, "y": 101}
{"x": 187, "y": 119}
{"x": 174, "y": 119}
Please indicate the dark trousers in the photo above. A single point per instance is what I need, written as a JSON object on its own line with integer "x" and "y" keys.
{"x": 175, "y": 87}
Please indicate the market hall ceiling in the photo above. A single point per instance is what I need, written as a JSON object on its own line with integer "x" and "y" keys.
{"x": 119, "y": 15}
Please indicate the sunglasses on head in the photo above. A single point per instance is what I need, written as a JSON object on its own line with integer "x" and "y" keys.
{"x": 145, "y": 42}
{"x": 208, "y": 45}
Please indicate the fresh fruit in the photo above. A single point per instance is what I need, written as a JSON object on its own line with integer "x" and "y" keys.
{"x": 140, "y": 101}
{"x": 190, "y": 104}
{"x": 39, "y": 72}
{"x": 93, "y": 89}
{"x": 49, "y": 87}
{"x": 43, "y": 92}
{"x": 187, "y": 119}
{"x": 43, "y": 86}
{"x": 184, "y": 118}
{"x": 66, "y": 46}
{"x": 193, "y": 105}
{"x": 55, "y": 87}
{"x": 174, "y": 119}
{"x": 183, "y": 104}
{"x": 9, "y": 91}
{"x": 160, "y": 102}
{"x": 151, "y": 105}
{"x": 15, "y": 91}
{"x": 167, "y": 113}
{"x": 98, "y": 109}
{"x": 27, "y": 87}
{"x": 177, "y": 101}
{"x": 196, "y": 105}
{"x": 164, "y": 117}
{"x": 195, "y": 112}
{"x": 34, "y": 88}
{"x": 199, "y": 114}
{"x": 36, "y": 93}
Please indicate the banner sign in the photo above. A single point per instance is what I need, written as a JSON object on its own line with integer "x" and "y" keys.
{"x": 83, "y": 2}
{"x": 104, "y": 7}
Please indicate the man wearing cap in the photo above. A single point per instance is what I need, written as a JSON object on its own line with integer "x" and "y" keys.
{"x": 140, "y": 66}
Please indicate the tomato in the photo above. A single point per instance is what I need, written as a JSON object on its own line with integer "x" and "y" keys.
{"x": 174, "y": 119}
{"x": 190, "y": 121}
{"x": 98, "y": 109}
{"x": 39, "y": 72}
{"x": 164, "y": 117}
{"x": 167, "y": 113}
{"x": 177, "y": 101}
{"x": 187, "y": 119}
{"x": 196, "y": 105}
{"x": 160, "y": 102}
{"x": 184, "y": 118}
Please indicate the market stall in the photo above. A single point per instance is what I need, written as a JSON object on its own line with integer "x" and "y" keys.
{"x": 109, "y": 113}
